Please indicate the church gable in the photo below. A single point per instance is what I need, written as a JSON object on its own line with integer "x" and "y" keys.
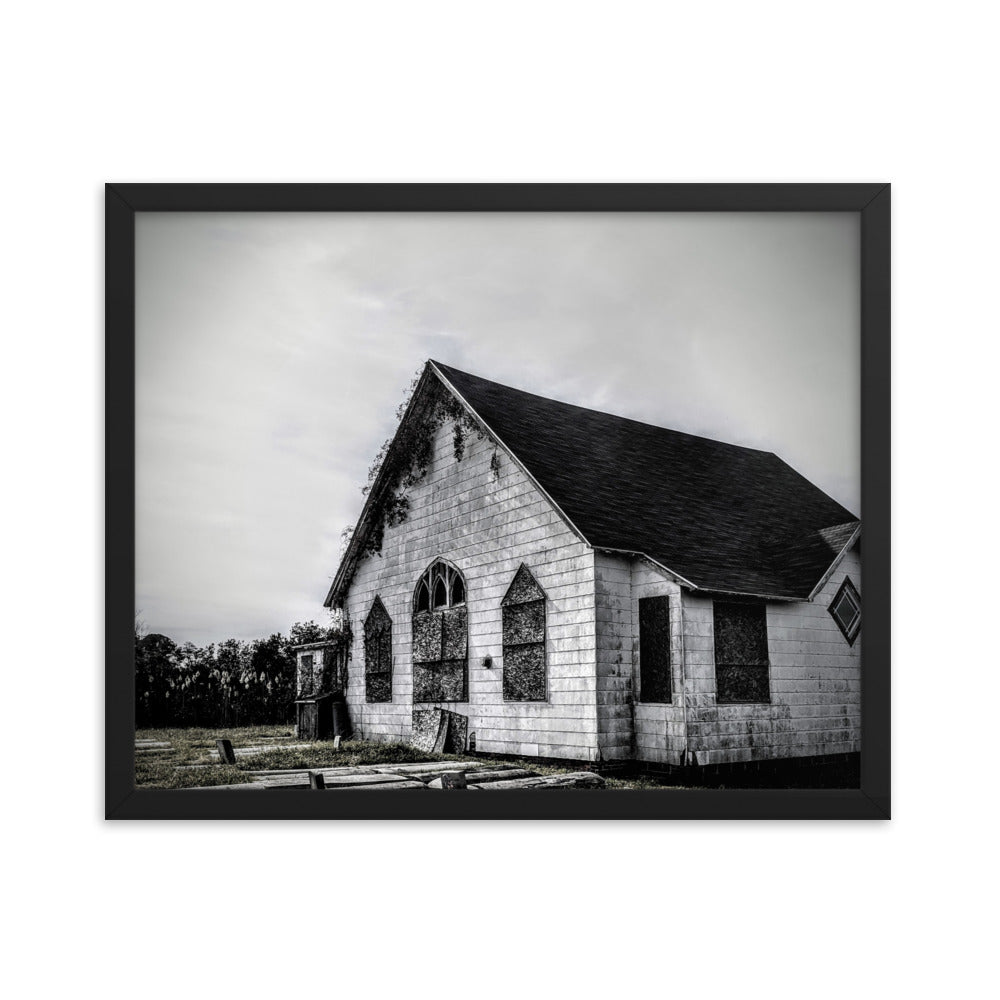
{"x": 404, "y": 463}
{"x": 443, "y": 574}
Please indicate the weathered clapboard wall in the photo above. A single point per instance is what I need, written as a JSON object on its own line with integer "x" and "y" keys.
{"x": 815, "y": 676}
{"x": 486, "y": 526}
{"x": 629, "y": 728}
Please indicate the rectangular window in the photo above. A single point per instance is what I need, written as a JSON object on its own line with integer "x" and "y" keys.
{"x": 654, "y": 650}
{"x": 524, "y": 672}
{"x": 741, "y": 660}
{"x": 333, "y": 673}
{"x": 305, "y": 674}
{"x": 378, "y": 667}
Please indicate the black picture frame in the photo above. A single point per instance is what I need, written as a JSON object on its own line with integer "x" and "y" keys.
{"x": 122, "y": 201}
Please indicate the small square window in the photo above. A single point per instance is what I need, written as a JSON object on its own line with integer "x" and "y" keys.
{"x": 846, "y": 610}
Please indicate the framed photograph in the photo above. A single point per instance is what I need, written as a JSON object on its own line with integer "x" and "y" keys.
{"x": 553, "y": 492}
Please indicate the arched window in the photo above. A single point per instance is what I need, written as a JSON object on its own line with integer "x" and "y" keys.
{"x": 523, "y": 612}
{"x": 440, "y": 635}
{"x": 422, "y": 602}
{"x": 440, "y": 594}
{"x": 440, "y": 587}
{"x": 378, "y": 653}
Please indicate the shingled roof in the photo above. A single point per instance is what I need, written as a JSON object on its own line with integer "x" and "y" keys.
{"x": 722, "y": 517}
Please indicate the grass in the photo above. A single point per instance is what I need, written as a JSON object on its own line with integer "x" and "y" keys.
{"x": 203, "y": 740}
{"x": 193, "y": 747}
{"x": 351, "y": 754}
{"x": 172, "y": 768}
{"x": 164, "y": 774}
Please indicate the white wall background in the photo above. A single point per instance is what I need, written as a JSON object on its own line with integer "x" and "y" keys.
{"x": 514, "y": 91}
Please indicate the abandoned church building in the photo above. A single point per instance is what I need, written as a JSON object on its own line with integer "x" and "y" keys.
{"x": 575, "y": 585}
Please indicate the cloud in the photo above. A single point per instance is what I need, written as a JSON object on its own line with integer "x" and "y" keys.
{"x": 272, "y": 352}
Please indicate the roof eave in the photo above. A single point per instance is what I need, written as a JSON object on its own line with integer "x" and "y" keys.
{"x": 632, "y": 553}
{"x": 855, "y": 535}
{"x": 345, "y": 570}
{"x": 687, "y": 584}
{"x": 757, "y": 595}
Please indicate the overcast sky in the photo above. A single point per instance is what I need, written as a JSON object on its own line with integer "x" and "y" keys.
{"x": 272, "y": 351}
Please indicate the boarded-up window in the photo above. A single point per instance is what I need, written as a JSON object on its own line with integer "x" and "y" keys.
{"x": 440, "y": 655}
{"x": 334, "y": 670}
{"x": 654, "y": 649}
{"x": 440, "y": 636}
{"x": 378, "y": 654}
{"x": 741, "y": 661}
{"x": 306, "y": 685}
{"x": 523, "y": 613}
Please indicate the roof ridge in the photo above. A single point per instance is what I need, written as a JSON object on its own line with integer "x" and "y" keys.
{"x": 712, "y": 511}
{"x": 601, "y": 413}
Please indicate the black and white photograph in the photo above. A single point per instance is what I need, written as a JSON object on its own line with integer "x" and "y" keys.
{"x": 499, "y": 498}
{"x": 472, "y": 501}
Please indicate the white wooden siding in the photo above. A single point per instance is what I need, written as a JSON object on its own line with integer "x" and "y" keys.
{"x": 487, "y": 528}
{"x": 815, "y": 676}
{"x": 628, "y": 728}
{"x": 815, "y": 679}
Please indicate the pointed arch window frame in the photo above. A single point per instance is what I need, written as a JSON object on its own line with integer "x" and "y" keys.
{"x": 524, "y": 623}
{"x": 378, "y": 653}
{"x": 441, "y": 577}
{"x": 440, "y": 659}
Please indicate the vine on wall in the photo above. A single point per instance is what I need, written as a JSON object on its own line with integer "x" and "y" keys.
{"x": 406, "y": 463}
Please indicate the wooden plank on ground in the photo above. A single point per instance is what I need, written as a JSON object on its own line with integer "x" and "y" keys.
{"x": 576, "y": 779}
{"x": 301, "y": 779}
{"x": 225, "y": 788}
{"x": 371, "y": 781}
{"x": 508, "y": 774}
{"x": 473, "y": 772}
{"x": 439, "y": 765}
{"x": 389, "y": 786}
{"x": 360, "y": 769}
